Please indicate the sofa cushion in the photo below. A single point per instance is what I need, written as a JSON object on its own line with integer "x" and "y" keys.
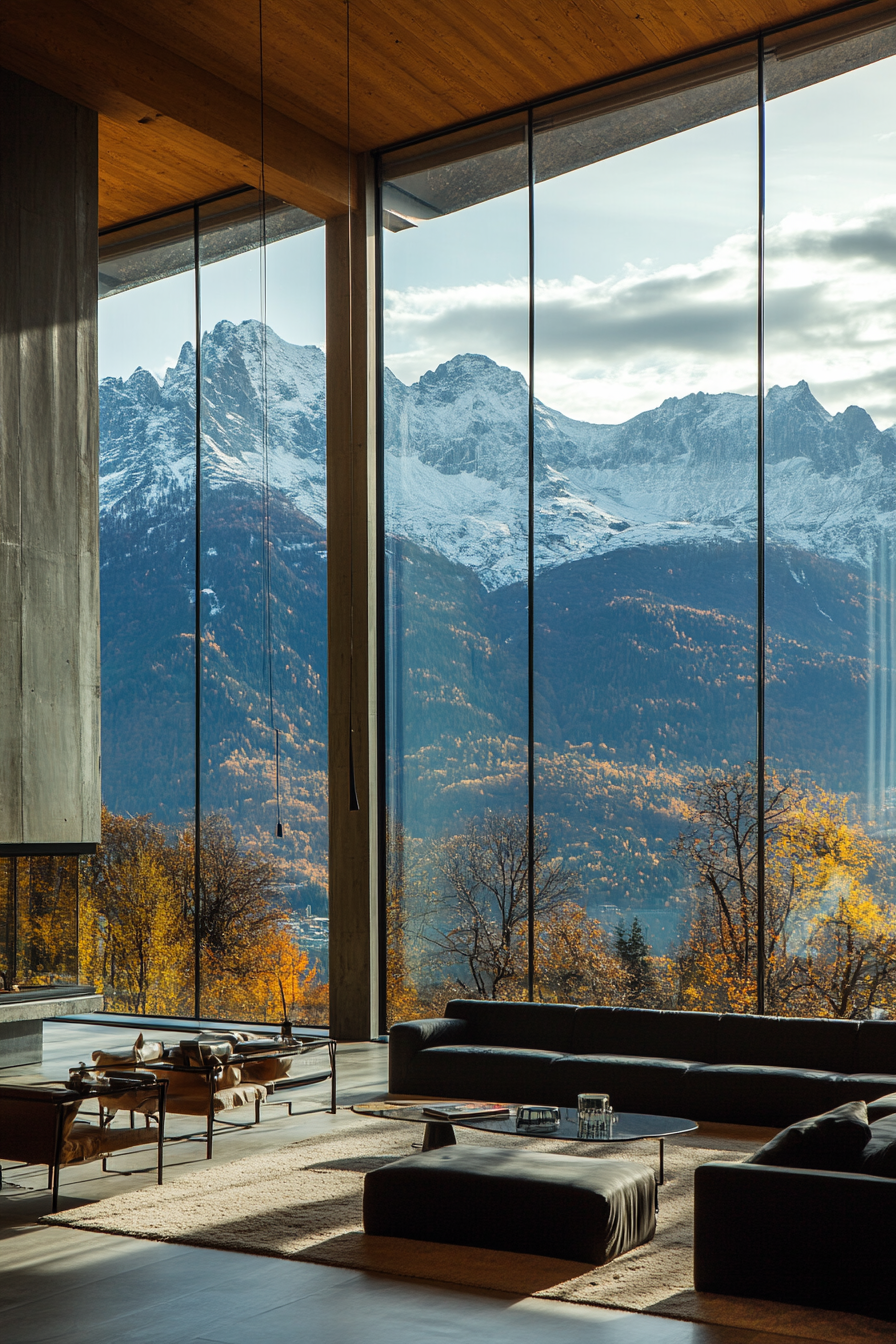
{"x": 866, "y": 1087}
{"x": 787, "y": 1042}
{"x": 882, "y": 1107}
{"x": 875, "y": 1050}
{"x": 633, "y": 1082}
{"x": 753, "y": 1094}
{"x": 481, "y": 1073}
{"x": 646, "y": 1032}
{"x": 834, "y": 1141}
{"x": 528, "y": 1026}
{"x": 879, "y": 1153}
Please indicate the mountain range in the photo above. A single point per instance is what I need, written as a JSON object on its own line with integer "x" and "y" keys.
{"x": 457, "y": 450}
{"x": 645, "y": 598}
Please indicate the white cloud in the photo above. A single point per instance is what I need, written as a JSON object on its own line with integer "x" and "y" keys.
{"x": 608, "y": 348}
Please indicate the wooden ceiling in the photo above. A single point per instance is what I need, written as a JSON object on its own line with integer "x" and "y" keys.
{"x": 177, "y": 82}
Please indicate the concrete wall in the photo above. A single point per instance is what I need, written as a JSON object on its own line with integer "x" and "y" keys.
{"x": 49, "y": 459}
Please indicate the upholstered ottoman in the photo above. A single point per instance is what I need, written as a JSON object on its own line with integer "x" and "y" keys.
{"x": 508, "y": 1199}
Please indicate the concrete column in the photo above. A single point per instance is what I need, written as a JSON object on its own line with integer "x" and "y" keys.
{"x": 49, "y": 459}
{"x": 351, "y": 607}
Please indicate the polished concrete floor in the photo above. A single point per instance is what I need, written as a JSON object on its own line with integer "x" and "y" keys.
{"x": 90, "y": 1288}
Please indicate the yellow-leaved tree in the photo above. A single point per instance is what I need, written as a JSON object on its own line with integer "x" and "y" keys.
{"x": 830, "y": 942}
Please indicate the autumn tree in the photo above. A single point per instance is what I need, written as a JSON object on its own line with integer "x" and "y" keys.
{"x": 482, "y": 934}
{"x": 139, "y": 926}
{"x": 829, "y": 945}
{"x": 848, "y": 965}
{"x": 574, "y": 960}
{"x": 409, "y": 904}
{"x": 135, "y": 942}
{"x": 42, "y": 896}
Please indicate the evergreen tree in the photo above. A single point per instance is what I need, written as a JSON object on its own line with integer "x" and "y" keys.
{"x": 634, "y": 952}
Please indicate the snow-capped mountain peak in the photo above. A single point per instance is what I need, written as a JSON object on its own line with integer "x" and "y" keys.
{"x": 456, "y": 457}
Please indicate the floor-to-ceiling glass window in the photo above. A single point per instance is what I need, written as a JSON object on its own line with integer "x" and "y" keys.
{"x": 644, "y": 600}
{"x": 830, "y": 493}
{"x": 704, "y": 656}
{"x": 254, "y": 702}
{"x": 263, "y": 794}
{"x": 137, "y": 926}
{"x": 455, "y": 473}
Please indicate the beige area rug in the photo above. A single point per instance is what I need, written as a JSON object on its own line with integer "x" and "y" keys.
{"x": 303, "y": 1202}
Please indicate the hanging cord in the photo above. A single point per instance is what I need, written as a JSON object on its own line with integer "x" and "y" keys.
{"x": 353, "y": 804}
{"x": 266, "y": 538}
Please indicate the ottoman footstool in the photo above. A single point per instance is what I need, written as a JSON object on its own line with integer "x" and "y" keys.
{"x": 505, "y": 1199}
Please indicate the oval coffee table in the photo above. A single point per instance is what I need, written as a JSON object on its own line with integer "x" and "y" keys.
{"x": 626, "y": 1127}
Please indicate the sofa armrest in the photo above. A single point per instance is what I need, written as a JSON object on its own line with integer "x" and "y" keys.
{"x": 818, "y": 1238}
{"x": 406, "y": 1039}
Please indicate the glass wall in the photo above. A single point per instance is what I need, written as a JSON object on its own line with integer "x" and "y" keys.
{"x": 38, "y": 921}
{"x": 230, "y": 561}
{"x": 455, "y": 409}
{"x": 681, "y": 593}
{"x": 830, "y": 366}
{"x": 644, "y": 598}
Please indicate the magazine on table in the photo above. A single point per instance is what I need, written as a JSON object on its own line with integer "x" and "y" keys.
{"x": 465, "y": 1110}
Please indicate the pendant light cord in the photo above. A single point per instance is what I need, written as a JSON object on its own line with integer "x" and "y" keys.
{"x": 266, "y": 538}
{"x": 353, "y": 803}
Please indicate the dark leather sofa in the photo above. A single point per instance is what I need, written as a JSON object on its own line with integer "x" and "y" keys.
{"x": 818, "y": 1238}
{"x": 721, "y": 1067}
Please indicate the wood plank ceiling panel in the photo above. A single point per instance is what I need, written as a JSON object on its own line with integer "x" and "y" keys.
{"x": 417, "y": 66}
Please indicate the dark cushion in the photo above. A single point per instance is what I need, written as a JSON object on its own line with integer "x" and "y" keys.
{"x": 480, "y": 1073}
{"x": 634, "y": 1083}
{"x": 750, "y": 1094}
{"x": 875, "y": 1050}
{"x": 879, "y": 1153}
{"x": 831, "y": 1142}
{"x": 787, "y": 1042}
{"x": 509, "y": 1199}
{"x": 530, "y": 1026}
{"x": 645, "y": 1031}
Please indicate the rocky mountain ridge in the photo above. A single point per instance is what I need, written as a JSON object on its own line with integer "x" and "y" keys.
{"x": 457, "y": 451}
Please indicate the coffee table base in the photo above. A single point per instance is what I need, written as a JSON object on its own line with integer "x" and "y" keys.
{"x": 438, "y": 1134}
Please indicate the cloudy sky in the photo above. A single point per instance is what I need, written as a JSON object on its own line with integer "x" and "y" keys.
{"x": 646, "y": 265}
{"x": 646, "y": 270}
